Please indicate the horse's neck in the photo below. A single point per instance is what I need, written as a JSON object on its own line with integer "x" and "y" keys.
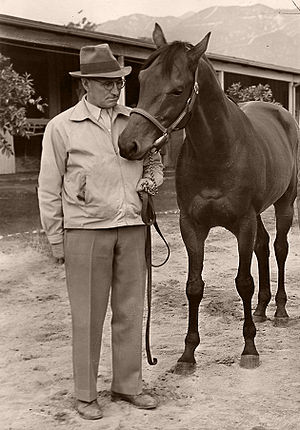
{"x": 210, "y": 129}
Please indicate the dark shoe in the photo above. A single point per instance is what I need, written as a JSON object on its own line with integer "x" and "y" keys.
{"x": 141, "y": 401}
{"x": 89, "y": 410}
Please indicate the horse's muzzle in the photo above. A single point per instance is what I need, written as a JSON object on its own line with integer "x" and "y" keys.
{"x": 128, "y": 149}
{"x": 132, "y": 149}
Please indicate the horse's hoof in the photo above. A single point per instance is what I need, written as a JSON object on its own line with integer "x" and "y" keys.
{"x": 184, "y": 368}
{"x": 249, "y": 361}
{"x": 259, "y": 318}
{"x": 281, "y": 321}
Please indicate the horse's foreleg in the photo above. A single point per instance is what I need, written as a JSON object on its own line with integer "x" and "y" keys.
{"x": 245, "y": 286}
{"x": 194, "y": 241}
{"x": 284, "y": 218}
{"x": 262, "y": 253}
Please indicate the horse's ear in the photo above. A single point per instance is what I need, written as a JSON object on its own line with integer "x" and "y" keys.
{"x": 158, "y": 36}
{"x": 197, "y": 51}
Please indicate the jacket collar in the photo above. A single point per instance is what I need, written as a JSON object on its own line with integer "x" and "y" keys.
{"x": 80, "y": 111}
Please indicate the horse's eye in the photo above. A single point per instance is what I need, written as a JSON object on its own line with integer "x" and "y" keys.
{"x": 176, "y": 92}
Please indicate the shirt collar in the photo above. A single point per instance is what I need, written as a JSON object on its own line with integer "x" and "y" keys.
{"x": 94, "y": 110}
{"x": 82, "y": 112}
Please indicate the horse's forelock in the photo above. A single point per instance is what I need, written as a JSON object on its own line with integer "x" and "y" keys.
{"x": 167, "y": 55}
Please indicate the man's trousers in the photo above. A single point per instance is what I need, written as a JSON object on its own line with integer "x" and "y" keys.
{"x": 100, "y": 262}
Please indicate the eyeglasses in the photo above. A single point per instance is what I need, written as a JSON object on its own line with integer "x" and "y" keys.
{"x": 109, "y": 85}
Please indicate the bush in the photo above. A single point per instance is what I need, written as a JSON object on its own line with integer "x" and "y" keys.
{"x": 253, "y": 93}
{"x": 16, "y": 94}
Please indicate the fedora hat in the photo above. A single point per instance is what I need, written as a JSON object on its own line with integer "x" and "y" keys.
{"x": 97, "y": 61}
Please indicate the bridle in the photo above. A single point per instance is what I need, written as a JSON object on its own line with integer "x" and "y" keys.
{"x": 158, "y": 143}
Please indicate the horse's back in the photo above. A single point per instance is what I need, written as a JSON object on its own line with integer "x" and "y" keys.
{"x": 273, "y": 123}
{"x": 274, "y": 150}
{"x": 272, "y": 136}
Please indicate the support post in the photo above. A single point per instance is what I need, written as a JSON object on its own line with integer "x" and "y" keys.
{"x": 220, "y": 74}
{"x": 122, "y": 99}
{"x": 292, "y": 98}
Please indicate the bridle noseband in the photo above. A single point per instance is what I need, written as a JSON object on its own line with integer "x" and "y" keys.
{"x": 158, "y": 143}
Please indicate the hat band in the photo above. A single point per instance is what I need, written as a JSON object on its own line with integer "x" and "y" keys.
{"x": 104, "y": 67}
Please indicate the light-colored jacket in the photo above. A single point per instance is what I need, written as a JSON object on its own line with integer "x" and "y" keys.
{"x": 83, "y": 181}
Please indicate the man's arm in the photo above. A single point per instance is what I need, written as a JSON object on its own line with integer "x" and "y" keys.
{"x": 53, "y": 164}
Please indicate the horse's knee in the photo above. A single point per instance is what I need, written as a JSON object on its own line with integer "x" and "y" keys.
{"x": 244, "y": 286}
{"x": 195, "y": 289}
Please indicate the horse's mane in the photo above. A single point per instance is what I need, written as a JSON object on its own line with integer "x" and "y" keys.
{"x": 167, "y": 55}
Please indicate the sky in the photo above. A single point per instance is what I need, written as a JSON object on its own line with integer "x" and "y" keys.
{"x": 98, "y": 11}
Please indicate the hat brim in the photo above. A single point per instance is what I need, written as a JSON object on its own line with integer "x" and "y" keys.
{"x": 124, "y": 71}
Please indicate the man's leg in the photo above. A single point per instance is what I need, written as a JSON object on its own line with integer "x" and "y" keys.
{"x": 89, "y": 256}
{"x": 127, "y": 300}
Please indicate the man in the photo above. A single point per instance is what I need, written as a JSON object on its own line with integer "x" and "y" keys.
{"x": 90, "y": 209}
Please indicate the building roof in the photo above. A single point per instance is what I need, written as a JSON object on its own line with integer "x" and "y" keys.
{"x": 62, "y": 29}
{"x": 15, "y": 30}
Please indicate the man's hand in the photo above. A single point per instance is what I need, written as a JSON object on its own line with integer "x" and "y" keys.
{"x": 146, "y": 184}
{"x": 58, "y": 252}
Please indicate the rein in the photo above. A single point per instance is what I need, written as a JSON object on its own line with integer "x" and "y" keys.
{"x": 148, "y": 212}
{"x": 149, "y": 218}
{"x": 158, "y": 143}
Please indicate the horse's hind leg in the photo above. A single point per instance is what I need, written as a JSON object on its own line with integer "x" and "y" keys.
{"x": 245, "y": 234}
{"x": 262, "y": 252}
{"x": 194, "y": 241}
{"x": 284, "y": 217}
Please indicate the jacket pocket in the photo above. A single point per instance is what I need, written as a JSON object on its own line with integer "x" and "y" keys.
{"x": 75, "y": 188}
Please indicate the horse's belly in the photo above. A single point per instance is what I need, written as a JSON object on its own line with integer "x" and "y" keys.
{"x": 276, "y": 176}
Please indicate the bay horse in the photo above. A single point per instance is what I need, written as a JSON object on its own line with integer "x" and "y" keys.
{"x": 235, "y": 162}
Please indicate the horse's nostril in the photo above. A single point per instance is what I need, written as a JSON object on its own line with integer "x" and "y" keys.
{"x": 128, "y": 148}
{"x": 134, "y": 147}
{"x": 131, "y": 147}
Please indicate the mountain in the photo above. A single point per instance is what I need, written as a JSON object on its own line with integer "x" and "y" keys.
{"x": 137, "y": 25}
{"x": 255, "y": 32}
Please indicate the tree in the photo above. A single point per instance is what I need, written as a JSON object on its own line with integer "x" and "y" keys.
{"x": 83, "y": 24}
{"x": 253, "y": 93}
{"x": 16, "y": 94}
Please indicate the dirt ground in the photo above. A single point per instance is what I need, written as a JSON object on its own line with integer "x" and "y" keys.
{"x": 36, "y": 387}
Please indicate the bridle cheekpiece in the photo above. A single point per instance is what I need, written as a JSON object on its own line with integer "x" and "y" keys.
{"x": 166, "y": 131}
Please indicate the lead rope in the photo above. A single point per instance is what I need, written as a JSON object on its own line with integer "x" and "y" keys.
{"x": 149, "y": 218}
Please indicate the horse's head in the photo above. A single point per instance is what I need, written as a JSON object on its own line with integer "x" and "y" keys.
{"x": 167, "y": 82}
